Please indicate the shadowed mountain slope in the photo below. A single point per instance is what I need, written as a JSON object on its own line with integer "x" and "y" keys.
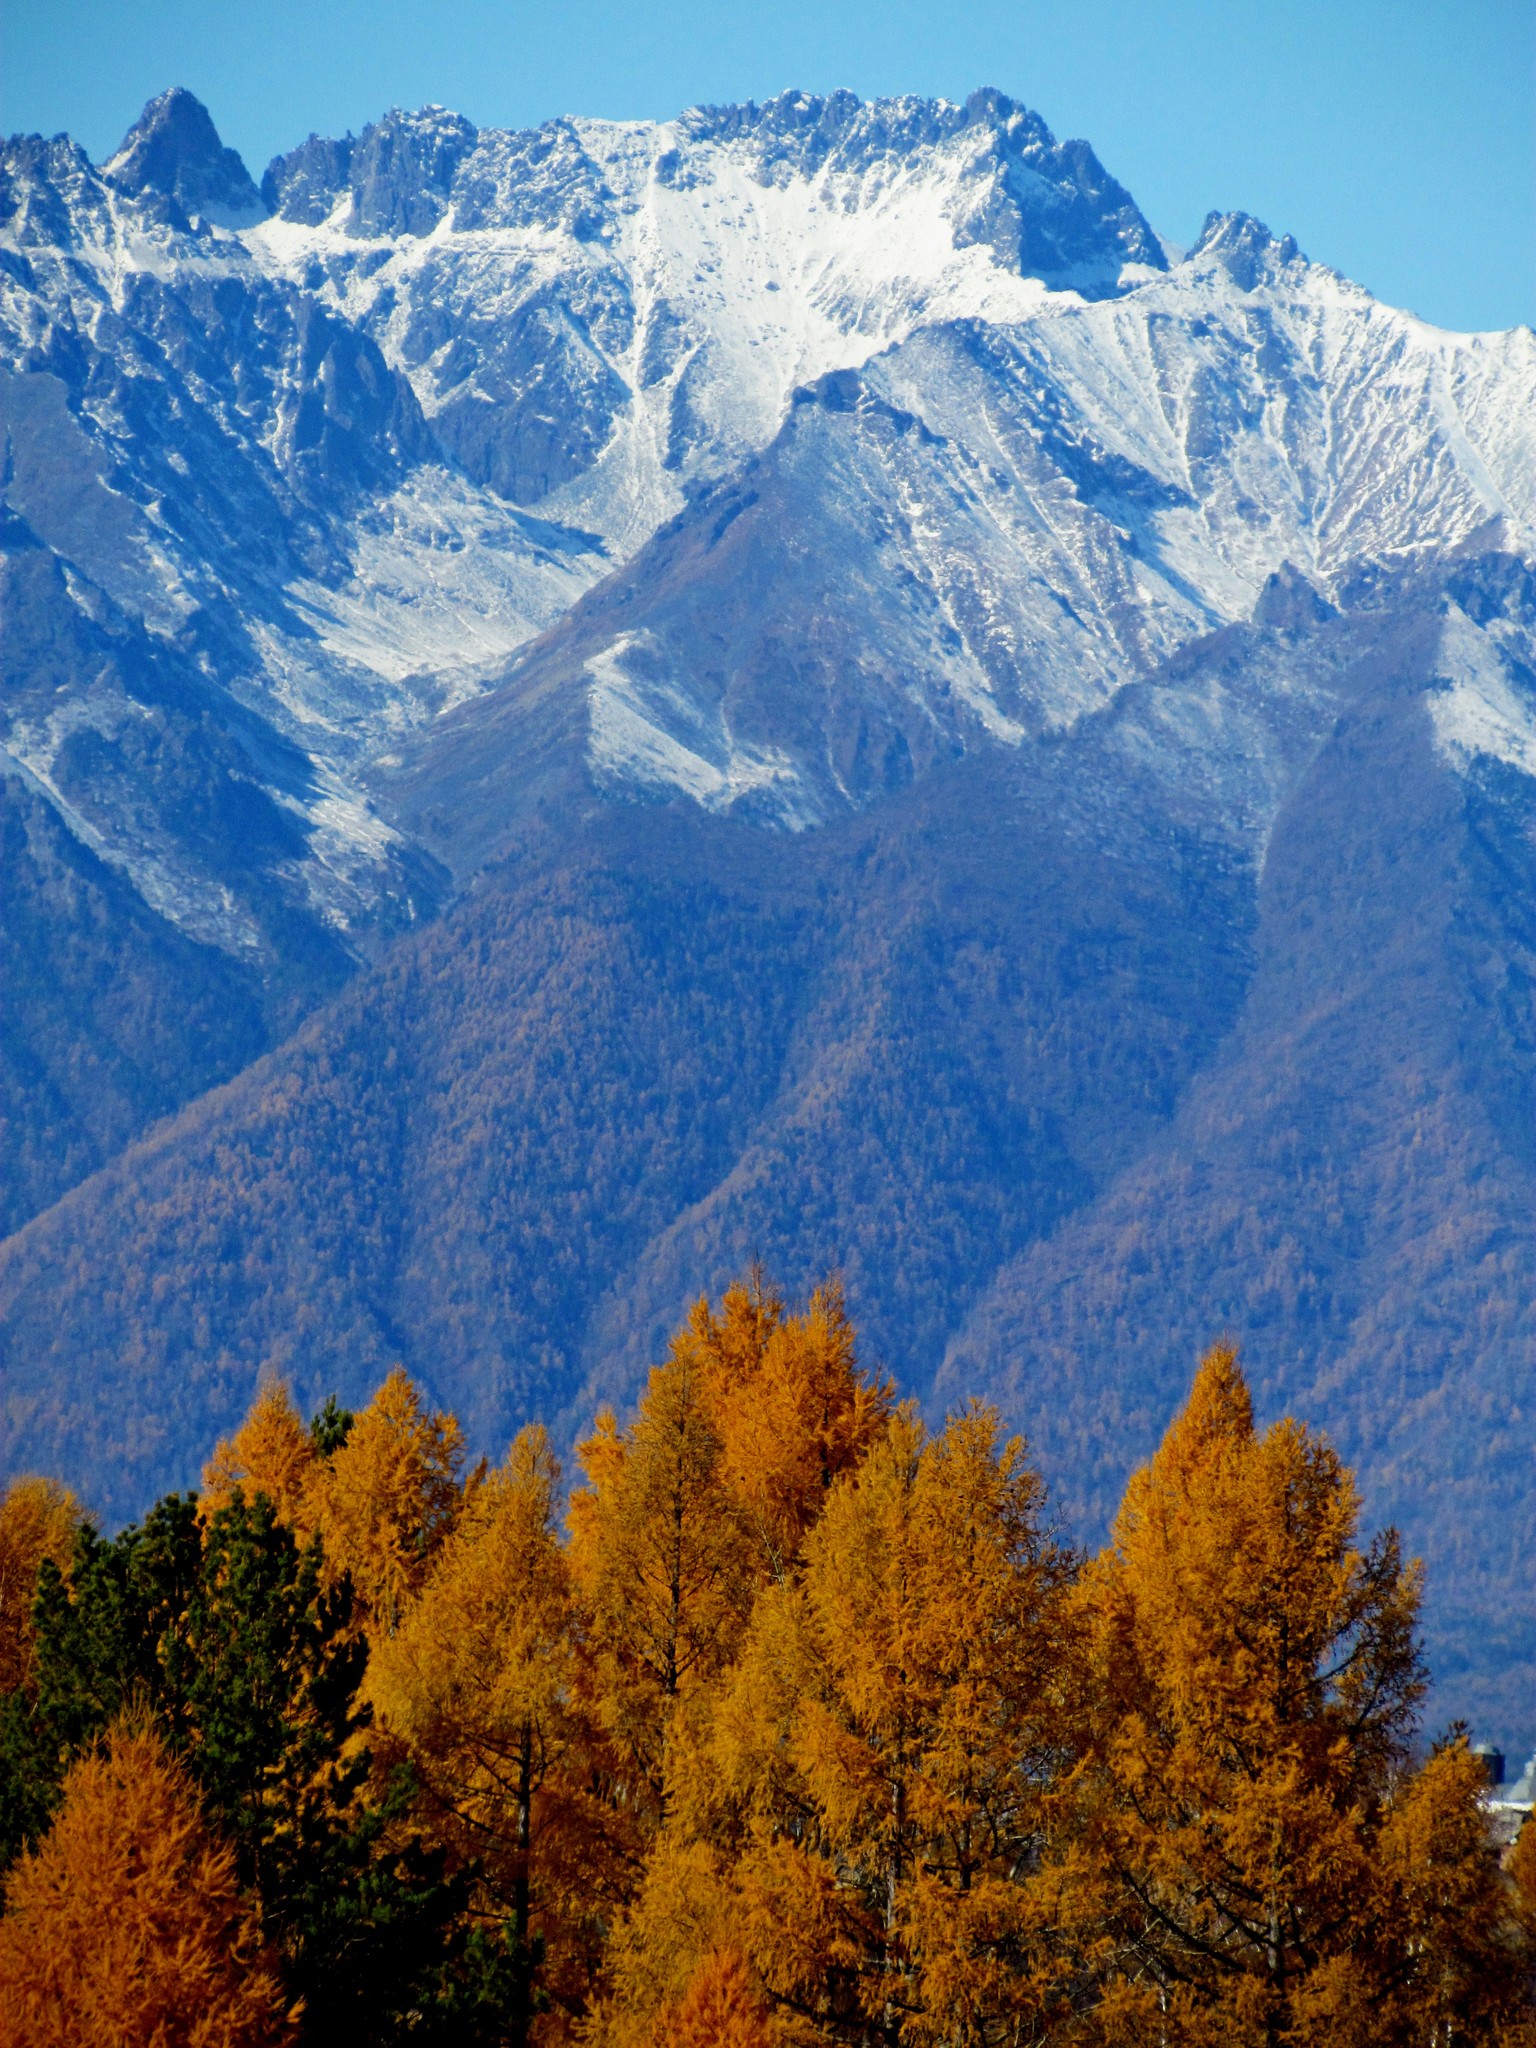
{"x": 1066, "y": 1057}
{"x": 1348, "y": 1189}
{"x": 845, "y": 1052}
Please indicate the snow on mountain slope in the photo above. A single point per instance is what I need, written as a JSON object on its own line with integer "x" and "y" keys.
{"x": 362, "y": 440}
{"x": 1485, "y": 710}
{"x": 222, "y": 460}
{"x": 308, "y": 447}
{"x": 993, "y": 526}
{"x": 603, "y": 313}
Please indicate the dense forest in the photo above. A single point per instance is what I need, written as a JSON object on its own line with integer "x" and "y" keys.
{"x": 792, "y": 1721}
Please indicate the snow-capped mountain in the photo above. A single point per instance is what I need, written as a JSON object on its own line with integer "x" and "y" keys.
{"x": 993, "y": 527}
{"x": 354, "y": 440}
{"x": 787, "y": 680}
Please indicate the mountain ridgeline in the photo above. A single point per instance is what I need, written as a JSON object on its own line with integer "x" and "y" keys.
{"x": 585, "y": 706}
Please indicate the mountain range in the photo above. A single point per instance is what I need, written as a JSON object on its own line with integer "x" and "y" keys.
{"x": 585, "y": 706}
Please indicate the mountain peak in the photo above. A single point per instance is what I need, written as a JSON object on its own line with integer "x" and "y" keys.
{"x": 400, "y": 171}
{"x": 1244, "y": 247}
{"x": 174, "y": 150}
{"x": 1048, "y": 208}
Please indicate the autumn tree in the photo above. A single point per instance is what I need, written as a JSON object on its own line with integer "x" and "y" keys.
{"x": 789, "y": 1401}
{"x": 890, "y": 1737}
{"x": 127, "y": 1925}
{"x": 382, "y": 1487}
{"x": 1520, "y": 1878}
{"x": 38, "y": 1520}
{"x": 1446, "y": 1962}
{"x": 663, "y": 1565}
{"x": 98, "y": 1631}
{"x": 720, "y": 2009}
{"x": 387, "y": 1496}
{"x": 1247, "y": 1825}
{"x": 481, "y": 1684}
{"x": 228, "y": 1637}
{"x": 270, "y": 1453}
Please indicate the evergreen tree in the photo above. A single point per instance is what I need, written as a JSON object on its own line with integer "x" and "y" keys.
{"x": 250, "y": 1669}
{"x": 97, "y": 1637}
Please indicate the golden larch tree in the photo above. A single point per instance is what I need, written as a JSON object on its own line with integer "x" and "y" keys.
{"x": 271, "y": 1453}
{"x": 386, "y": 1499}
{"x": 1446, "y": 1963}
{"x": 793, "y": 1409}
{"x": 1253, "y": 1682}
{"x": 481, "y": 1684}
{"x": 38, "y": 1520}
{"x": 892, "y": 1731}
{"x": 663, "y": 1563}
{"x": 126, "y": 1926}
{"x": 720, "y": 2009}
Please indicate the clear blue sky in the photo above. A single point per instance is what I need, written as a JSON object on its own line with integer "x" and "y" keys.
{"x": 1393, "y": 138}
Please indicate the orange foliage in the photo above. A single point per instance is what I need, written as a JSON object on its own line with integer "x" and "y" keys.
{"x": 480, "y": 1684}
{"x": 898, "y": 1711}
{"x": 1252, "y": 1684}
{"x": 125, "y": 1926}
{"x": 271, "y": 1453}
{"x": 811, "y": 1732}
{"x": 662, "y": 1561}
{"x": 38, "y": 1520}
{"x": 792, "y": 1408}
{"x": 719, "y": 2010}
{"x": 388, "y": 1497}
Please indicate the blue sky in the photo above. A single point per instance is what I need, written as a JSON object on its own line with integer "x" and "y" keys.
{"x": 1393, "y": 138}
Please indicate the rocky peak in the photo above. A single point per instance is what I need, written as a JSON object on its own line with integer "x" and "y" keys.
{"x": 1048, "y": 208}
{"x": 174, "y": 151}
{"x": 49, "y": 192}
{"x": 303, "y": 184}
{"x": 402, "y": 170}
{"x": 399, "y": 171}
{"x": 1244, "y": 247}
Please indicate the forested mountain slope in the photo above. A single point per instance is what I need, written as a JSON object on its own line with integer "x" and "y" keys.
{"x": 583, "y": 707}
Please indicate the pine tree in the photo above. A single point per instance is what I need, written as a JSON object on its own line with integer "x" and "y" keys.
{"x": 127, "y": 1926}
{"x": 1446, "y": 1961}
{"x": 97, "y": 1637}
{"x": 249, "y": 1667}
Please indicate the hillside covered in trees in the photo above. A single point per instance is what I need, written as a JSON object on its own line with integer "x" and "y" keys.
{"x": 792, "y": 1721}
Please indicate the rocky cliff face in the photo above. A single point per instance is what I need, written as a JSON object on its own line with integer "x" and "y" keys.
{"x": 940, "y": 736}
